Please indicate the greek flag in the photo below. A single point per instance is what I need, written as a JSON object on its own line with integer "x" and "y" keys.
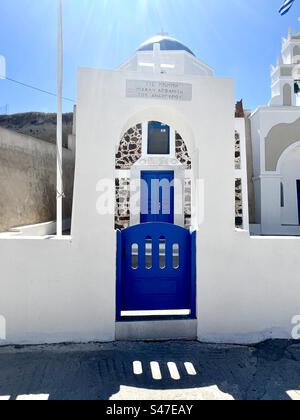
{"x": 286, "y": 7}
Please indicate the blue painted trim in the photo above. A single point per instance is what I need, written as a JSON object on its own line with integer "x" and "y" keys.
{"x": 298, "y": 195}
{"x": 119, "y": 257}
{"x": 194, "y": 275}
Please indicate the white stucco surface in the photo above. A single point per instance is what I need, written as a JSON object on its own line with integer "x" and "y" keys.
{"x": 51, "y": 292}
{"x": 256, "y": 296}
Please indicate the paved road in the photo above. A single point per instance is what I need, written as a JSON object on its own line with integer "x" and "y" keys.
{"x": 171, "y": 370}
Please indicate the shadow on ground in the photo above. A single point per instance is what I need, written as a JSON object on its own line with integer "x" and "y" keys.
{"x": 269, "y": 371}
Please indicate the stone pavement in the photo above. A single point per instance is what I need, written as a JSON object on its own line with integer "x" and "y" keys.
{"x": 139, "y": 371}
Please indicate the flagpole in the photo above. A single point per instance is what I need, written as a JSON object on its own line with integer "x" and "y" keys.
{"x": 59, "y": 173}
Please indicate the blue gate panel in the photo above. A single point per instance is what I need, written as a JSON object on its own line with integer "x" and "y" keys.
{"x": 155, "y": 268}
{"x": 145, "y": 287}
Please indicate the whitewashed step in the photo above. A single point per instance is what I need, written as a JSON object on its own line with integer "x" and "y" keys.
{"x": 156, "y": 330}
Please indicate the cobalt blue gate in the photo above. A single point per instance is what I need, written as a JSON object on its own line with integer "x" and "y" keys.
{"x": 156, "y": 269}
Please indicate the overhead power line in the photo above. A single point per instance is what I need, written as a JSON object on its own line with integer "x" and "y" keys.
{"x": 37, "y": 89}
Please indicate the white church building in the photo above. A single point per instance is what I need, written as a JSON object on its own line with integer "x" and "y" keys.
{"x": 185, "y": 220}
{"x": 276, "y": 147}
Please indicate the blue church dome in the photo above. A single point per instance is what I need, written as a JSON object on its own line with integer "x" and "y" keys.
{"x": 166, "y": 42}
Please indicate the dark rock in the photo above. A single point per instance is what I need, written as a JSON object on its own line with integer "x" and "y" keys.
{"x": 132, "y": 146}
{"x": 239, "y": 221}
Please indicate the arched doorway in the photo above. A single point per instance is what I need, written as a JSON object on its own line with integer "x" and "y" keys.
{"x": 156, "y": 250}
{"x": 140, "y": 147}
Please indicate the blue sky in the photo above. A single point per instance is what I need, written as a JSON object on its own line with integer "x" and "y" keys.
{"x": 239, "y": 38}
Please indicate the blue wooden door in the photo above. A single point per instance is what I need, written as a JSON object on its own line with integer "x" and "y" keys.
{"x": 157, "y": 196}
{"x": 156, "y": 269}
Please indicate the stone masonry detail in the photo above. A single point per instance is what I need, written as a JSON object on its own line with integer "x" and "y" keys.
{"x": 122, "y": 212}
{"x": 187, "y": 202}
{"x": 130, "y": 149}
{"x": 238, "y": 184}
{"x": 182, "y": 153}
{"x": 237, "y": 151}
{"x": 238, "y": 203}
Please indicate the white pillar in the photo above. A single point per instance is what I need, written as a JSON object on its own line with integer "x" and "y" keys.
{"x": 172, "y": 142}
{"x": 144, "y": 139}
{"x": 59, "y": 169}
{"x": 270, "y": 204}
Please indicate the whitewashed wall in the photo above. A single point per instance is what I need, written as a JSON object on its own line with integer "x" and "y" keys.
{"x": 250, "y": 288}
{"x": 64, "y": 290}
{"x": 53, "y": 291}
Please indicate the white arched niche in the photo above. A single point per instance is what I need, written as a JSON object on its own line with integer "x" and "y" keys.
{"x": 288, "y": 168}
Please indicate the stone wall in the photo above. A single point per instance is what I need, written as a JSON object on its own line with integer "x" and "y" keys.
{"x": 238, "y": 203}
{"x": 238, "y": 184}
{"x": 122, "y": 213}
{"x": 130, "y": 149}
{"x": 28, "y": 180}
{"x": 187, "y": 202}
{"x": 129, "y": 152}
{"x": 237, "y": 151}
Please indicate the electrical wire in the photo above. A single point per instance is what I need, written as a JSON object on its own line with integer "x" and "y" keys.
{"x": 37, "y": 89}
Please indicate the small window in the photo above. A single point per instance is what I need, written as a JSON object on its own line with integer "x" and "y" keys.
{"x": 176, "y": 256}
{"x": 148, "y": 252}
{"x": 135, "y": 256}
{"x": 162, "y": 252}
{"x": 158, "y": 138}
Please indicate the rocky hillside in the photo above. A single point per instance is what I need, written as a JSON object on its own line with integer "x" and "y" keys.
{"x": 38, "y": 125}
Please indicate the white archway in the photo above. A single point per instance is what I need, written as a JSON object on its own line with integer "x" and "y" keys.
{"x": 288, "y": 168}
{"x": 165, "y": 115}
{"x": 179, "y": 128}
{"x": 132, "y": 151}
{"x": 284, "y": 155}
